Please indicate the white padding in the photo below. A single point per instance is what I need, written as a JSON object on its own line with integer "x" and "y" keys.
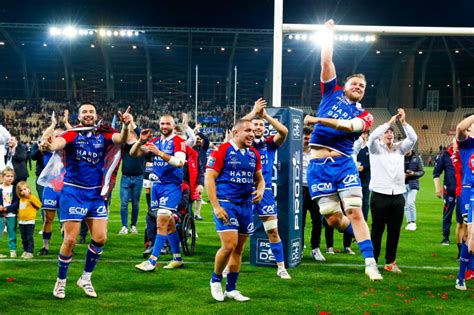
{"x": 357, "y": 125}
{"x": 164, "y": 212}
{"x": 328, "y": 207}
{"x": 177, "y": 162}
{"x": 146, "y": 183}
{"x": 352, "y": 202}
{"x": 270, "y": 225}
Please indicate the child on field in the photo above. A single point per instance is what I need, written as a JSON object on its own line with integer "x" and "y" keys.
{"x": 28, "y": 206}
{"x": 8, "y": 209}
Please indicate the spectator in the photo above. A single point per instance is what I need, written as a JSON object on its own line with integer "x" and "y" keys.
{"x": 16, "y": 158}
{"x": 28, "y": 206}
{"x": 201, "y": 146}
{"x": 9, "y": 208}
{"x": 363, "y": 166}
{"x": 4, "y": 136}
{"x": 387, "y": 184}
{"x": 413, "y": 171}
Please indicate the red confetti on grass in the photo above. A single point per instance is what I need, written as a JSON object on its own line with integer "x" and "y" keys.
{"x": 444, "y": 296}
{"x": 10, "y": 279}
{"x": 434, "y": 255}
{"x": 400, "y": 294}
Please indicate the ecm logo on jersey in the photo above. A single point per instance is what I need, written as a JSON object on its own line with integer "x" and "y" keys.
{"x": 264, "y": 253}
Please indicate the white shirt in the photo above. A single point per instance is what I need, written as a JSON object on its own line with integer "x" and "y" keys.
{"x": 8, "y": 199}
{"x": 387, "y": 167}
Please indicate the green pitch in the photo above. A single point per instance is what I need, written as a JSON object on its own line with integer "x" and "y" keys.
{"x": 336, "y": 286}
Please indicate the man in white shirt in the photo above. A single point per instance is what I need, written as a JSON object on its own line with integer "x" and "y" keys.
{"x": 387, "y": 185}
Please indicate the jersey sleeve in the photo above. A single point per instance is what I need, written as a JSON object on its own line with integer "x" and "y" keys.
{"x": 69, "y": 136}
{"x": 179, "y": 145}
{"x": 258, "y": 165}
{"x": 329, "y": 87}
{"x": 271, "y": 143}
{"x": 368, "y": 120}
{"x": 216, "y": 159}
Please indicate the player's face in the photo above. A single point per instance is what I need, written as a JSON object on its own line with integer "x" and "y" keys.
{"x": 258, "y": 128}
{"x": 244, "y": 135}
{"x": 354, "y": 89}
{"x": 388, "y": 137}
{"x": 166, "y": 125}
{"x": 87, "y": 115}
{"x": 8, "y": 178}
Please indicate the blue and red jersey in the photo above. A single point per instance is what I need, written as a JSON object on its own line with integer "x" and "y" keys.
{"x": 466, "y": 151}
{"x": 267, "y": 149}
{"x": 161, "y": 170}
{"x": 236, "y": 168}
{"x": 84, "y": 156}
{"x": 335, "y": 105}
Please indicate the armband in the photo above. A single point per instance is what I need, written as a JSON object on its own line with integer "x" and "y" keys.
{"x": 356, "y": 124}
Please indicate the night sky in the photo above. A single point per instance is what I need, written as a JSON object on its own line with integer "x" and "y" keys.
{"x": 238, "y": 14}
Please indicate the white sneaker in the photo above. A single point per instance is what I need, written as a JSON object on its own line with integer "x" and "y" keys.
{"x": 317, "y": 255}
{"x": 40, "y": 232}
{"x": 460, "y": 285}
{"x": 86, "y": 285}
{"x": 349, "y": 251}
{"x": 146, "y": 266}
{"x": 13, "y": 254}
{"x": 236, "y": 295}
{"x": 133, "y": 229}
{"x": 3, "y": 256}
{"x": 28, "y": 255}
{"x": 216, "y": 291}
{"x": 330, "y": 251}
{"x": 59, "y": 290}
{"x": 283, "y": 274}
{"x": 372, "y": 271}
{"x": 408, "y": 227}
{"x": 413, "y": 226}
{"x": 123, "y": 231}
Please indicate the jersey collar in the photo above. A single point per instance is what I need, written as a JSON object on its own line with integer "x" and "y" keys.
{"x": 234, "y": 145}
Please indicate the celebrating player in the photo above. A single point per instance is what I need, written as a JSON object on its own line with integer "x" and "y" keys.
{"x": 85, "y": 149}
{"x": 267, "y": 209}
{"x": 169, "y": 155}
{"x": 232, "y": 172}
{"x": 332, "y": 173}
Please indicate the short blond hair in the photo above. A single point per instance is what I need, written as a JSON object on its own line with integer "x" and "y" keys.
{"x": 357, "y": 75}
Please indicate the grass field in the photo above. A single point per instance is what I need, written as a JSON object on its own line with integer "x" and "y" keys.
{"x": 336, "y": 286}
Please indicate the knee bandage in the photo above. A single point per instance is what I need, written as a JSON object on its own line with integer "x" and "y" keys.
{"x": 352, "y": 202}
{"x": 329, "y": 205}
{"x": 270, "y": 225}
{"x": 164, "y": 212}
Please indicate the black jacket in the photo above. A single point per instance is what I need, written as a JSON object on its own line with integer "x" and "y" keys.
{"x": 415, "y": 164}
{"x": 18, "y": 161}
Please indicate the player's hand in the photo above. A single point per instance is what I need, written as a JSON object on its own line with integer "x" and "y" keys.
{"x": 221, "y": 214}
{"x": 46, "y": 144}
{"x": 126, "y": 117}
{"x": 258, "y": 195}
{"x": 152, "y": 149}
{"x": 145, "y": 135}
{"x": 401, "y": 115}
{"x": 360, "y": 168}
{"x": 197, "y": 128}
{"x": 439, "y": 194}
{"x": 228, "y": 135}
{"x": 200, "y": 189}
{"x": 310, "y": 120}
{"x": 53, "y": 119}
{"x": 329, "y": 24}
{"x": 259, "y": 107}
{"x": 66, "y": 116}
{"x": 185, "y": 119}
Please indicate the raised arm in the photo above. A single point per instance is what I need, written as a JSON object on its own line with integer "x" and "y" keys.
{"x": 126, "y": 118}
{"x": 410, "y": 140}
{"x": 66, "y": 123}
{"x": 463, "y": 127}
{"x": 328, "y": 70}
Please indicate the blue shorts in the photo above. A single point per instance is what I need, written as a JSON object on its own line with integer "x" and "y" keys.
{"x": 267, "y": 206}
{"x": 240, "y": 218}
{"x": 77, "y": 204}
{"x": 165, "y": 196}
{"x": 467, "y": 200}
{"x": 328, "y": 176}
{"x": 50, "y": 199}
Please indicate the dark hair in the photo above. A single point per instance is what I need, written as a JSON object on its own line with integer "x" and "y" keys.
{"x": 390, "y": 128}
{"x": 307, "y": 130}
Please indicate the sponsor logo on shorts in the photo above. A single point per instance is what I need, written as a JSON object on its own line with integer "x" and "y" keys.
{"x": 233, "y": 221}
{"x": 250, "y": 228}
{"x": 49, "y": 202}
{"x": 268, "y": 209}
{"x": 78, "y": 210}
{"x": 321, "y": 187}
{"x": 163, "y": 200}
{"x": 350, "y": 179}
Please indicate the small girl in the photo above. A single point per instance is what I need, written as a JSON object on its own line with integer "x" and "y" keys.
{"x": 29, "y": 204}
{"x": 8, "y": 209}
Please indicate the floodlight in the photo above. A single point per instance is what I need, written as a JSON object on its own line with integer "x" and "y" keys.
{"x": 109, "y": 33}
{"x": 70, "y": 31}
{"x": 102, "y": 32}
{"x": 136, "y": 33}
{"x": 116, "y": 33}
{"x": 54, "y": 31}
{"x": 123, "y": 33}
{"x": 129, "y": 33}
